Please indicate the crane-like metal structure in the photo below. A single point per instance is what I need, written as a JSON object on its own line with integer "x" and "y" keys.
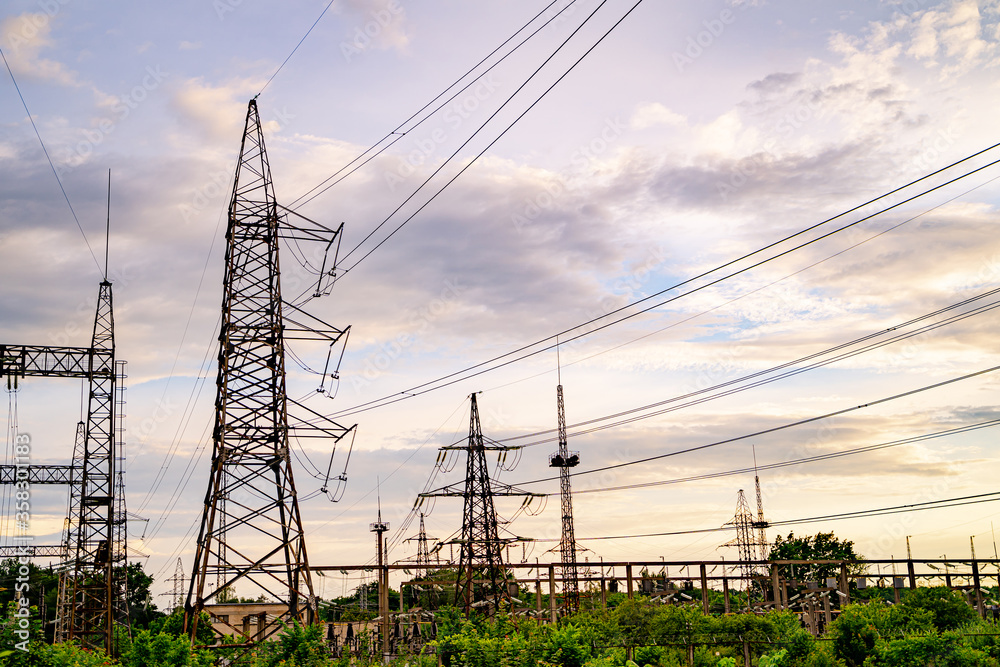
{"x": 251, "y": 533}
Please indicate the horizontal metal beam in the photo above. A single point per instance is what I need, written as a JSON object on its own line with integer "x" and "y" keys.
{"x": 37, "y": 474}
{"x": 50, "y": 361}
{"x": 33, "y": 551}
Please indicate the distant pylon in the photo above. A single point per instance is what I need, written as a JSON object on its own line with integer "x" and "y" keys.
{"x": 744, "y": 541}
{"x": 564, "y": 460}
{"x": 482, "y": 577}
{"x": 178, "y": 581}
{"x": 423, "y": 559}
{"x": 251, "y": 534}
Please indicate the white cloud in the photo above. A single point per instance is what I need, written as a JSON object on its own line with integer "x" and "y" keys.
{"x": 653, "y": 114}
{"x": 25, "y": 37}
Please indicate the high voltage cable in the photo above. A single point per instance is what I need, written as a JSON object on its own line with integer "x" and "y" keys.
{"x": 298, "y": 202}
{"x": 860, "y": 514}
{"x": 774, "y": 429}
{"x": 321, "y": 14}
{"x": 794, "y": 371}
{"x": 52, "y": 166}
{"x": 466, "y": 373}
{"x": 794, "y": 462}
{"x": 481, "y": 127}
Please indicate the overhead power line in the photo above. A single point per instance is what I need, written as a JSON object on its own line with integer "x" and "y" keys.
{"x": 399, "y": 132}
{"x": 567, "y": 335}
{"x": 774, "y": 429}
{"x": 794, "y": 462}
{"x": 52, "y": 166}
{"x": 321, "y": 14}
{"x": 503, "y": 132}
{"x": 860, "y": 514}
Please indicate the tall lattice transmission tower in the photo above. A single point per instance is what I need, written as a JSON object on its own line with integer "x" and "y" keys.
{"x": 423, "y": 558}
{"x": 745, "y": 540}
{"x": 565, "y": 460}
{"x": 481, "y": 582}
{"x": 251, "y": 535}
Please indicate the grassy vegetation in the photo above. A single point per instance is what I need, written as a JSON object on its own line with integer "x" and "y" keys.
{"x": 932, "y": 626}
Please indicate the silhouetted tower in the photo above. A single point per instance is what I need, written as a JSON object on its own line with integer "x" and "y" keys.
{"x": 761, "y": 524}
{"x": 423, "y": 559}
{"x": 481, "y": 580}
{"x": 564, "y": 460}
{"x": 178, "y": 581}
{"x": 744, "y": 541}
{"x": 251, "y": 535}
{"x": 98, "y": 589}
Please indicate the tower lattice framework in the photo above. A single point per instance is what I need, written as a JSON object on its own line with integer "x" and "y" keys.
{"x": 482, "y": 578}
{"x": 746, "y": 540}
{"x": 565, "y": 460}
{"x": 251, "y": 539}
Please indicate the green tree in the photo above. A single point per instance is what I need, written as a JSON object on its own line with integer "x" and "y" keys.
{"x": 149, "y": 649}
{"x": 821, "y": 546}
{"x": 948, "y": 607}
{"x": 860, "y": 627}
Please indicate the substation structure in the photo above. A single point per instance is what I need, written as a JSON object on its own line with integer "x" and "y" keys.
{"x": 716, "y": 587}
{"x": 91, "y": 593}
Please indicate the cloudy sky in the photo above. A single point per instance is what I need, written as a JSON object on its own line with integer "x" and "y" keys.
{"x": 616, "y": 154}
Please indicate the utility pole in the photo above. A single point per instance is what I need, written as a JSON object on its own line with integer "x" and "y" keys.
{"x": 379, "y": 528}
{"x": 251, "y": 533}
{"x": 482, "y": 578}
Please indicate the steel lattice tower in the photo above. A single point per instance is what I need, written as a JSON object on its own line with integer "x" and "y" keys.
{"x": 71, "y": 530}
{"x": 481, "y": 578}
{"x": 251, "y": 532}
{"x": 423, "y": 553}
{"x": 98, "y": 591}
{"x": 93, "y": 583}
{"x": 564, "y": 460}
{"x": 744, "y": 541}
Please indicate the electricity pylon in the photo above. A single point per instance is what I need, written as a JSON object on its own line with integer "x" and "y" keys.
{"x": 482, "y": 578}
{"x": 251, "y": 532}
